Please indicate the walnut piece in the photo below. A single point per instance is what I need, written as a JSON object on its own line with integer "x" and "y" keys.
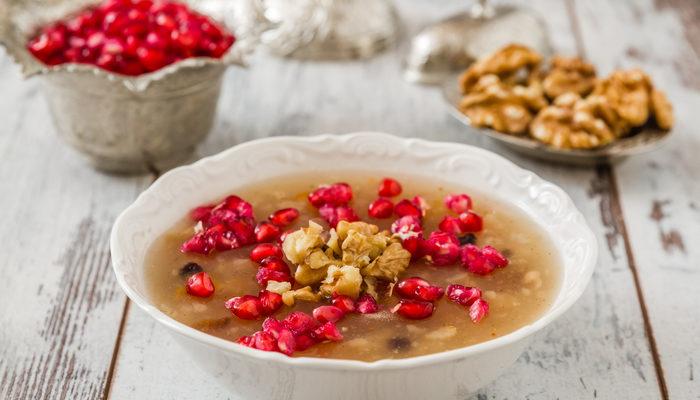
{"x": 494, "y": 105}
{"x": 662, "y": 109}
{"x": 393, "y": 261}
{"x": 304, "y": 294}
{"x": 569, "y": 74}
{"x": 567, "y": 124}
{"x": 513, "y": 63}
{"x": 299, "y": 244}
{"x": 346, "y": 280}
{"x": 628, "y": 94}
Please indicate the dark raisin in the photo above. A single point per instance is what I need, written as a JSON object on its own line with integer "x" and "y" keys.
{"x": 469, "y": 238}
{"x": 399, "y": 344}
{"x": 190, "y": 268}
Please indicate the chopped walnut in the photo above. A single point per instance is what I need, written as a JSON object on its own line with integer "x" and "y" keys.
{"x": 513, "y": 63}
{"x": 564, "y": 126}
{"x": 299, "y": 244}
{"x": 494, "y": 105}
{"x": 662, "y": 109}
{"x": 345, "y": 280}
{"x": 569, "y": 74}
{"x": 393, "y": 261}
{"x": 628, "y": 93}
{"x": 303, "y": 294}
{"x": 278, "y": 287}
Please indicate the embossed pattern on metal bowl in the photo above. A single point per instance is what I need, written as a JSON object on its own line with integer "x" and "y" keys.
{"x": 648, "y": 138}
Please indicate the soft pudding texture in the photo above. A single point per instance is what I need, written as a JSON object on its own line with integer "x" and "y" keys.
{"x": 517, "y": 295}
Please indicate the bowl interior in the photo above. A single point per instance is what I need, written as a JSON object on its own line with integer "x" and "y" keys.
{"x": 178, "y": 191}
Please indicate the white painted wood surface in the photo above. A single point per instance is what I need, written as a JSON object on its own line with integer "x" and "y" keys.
{"x": 67, "y": 332}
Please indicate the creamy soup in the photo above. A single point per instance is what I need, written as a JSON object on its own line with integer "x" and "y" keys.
{"x": 516, "y": 295}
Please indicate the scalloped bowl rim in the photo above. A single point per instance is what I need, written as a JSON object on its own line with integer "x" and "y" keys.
{"x": 354, "y": 365}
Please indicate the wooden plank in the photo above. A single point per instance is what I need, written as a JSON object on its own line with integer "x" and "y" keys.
{"x": 598, "y": 349}
{"x": 660, "y": 191}
{"x": 59, "y": 304}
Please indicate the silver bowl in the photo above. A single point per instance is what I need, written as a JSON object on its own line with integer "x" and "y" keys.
{"x": 646, "y": 139}
{"x": 127, "y": 124}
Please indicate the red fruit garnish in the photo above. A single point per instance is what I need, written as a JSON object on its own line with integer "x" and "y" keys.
{"x": 414, "y": 309}
{"x": 248, "y": 341}
{"x": 458, "y": 203}
{"x": 239, "y": 234}
{"x": 327, "y": 332}
{"x": 406, "y": 208}
{"x": 451, "y": 225}
{"x": 345, "y": 303}
{"x": 416, "y": 246}
{"x": 265, "y": 250}
{"x": 286, "y": 342}
{"x": 408, "y": 226}
{"x": 200, "y": 285}
{"x": 471, "y": 222}
{"x": 407, "y": 287}
{"x": 203, "y": 242}
{"x": 381, "y": 208}
{"x": 325, "y": 314}
{"x": 241, "y": 207}
{"x": 284, "y": 216}
{"x": 337, "y": 194}
{"x": 478, "y": 310}
{"x": 131, "y": 37}
{"x": 422, "y": 205}
{"x": 479, "y": 262}
{"x": 304, "y": 341}
{"x": 266, "y": 232}
{"x": 463, "y": 295}
{"x": 245, "y": 307}
{"x": 272, "y": 326}
{"x": 264, "y": 341}
{"x": 366, "y": 304}
{"x": 264, "y": 275}
{"x": 201, "y": 213}
{"x": 418, "y": 289}
{"x": 443, "y": 248}
{"x": 299, "y": 323}
{"x": 389, "y": 187}
{"x": 275, "y": 264}
{"x": 335, "y": 214}
{"x": 270, "y": 301}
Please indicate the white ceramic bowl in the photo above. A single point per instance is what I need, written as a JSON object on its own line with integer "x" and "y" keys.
{"x": 252, "y": 374}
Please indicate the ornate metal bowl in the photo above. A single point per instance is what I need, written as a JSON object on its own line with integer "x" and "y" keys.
{"x": 128, "y": 124}
{"x": 646, "y": 139}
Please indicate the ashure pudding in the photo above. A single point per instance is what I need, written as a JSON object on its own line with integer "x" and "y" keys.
{"x": 367, "y": 268}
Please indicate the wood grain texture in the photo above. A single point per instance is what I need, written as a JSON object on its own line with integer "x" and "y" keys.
{"x": 597, "y": 350}
{"x": 59, "y": 304}
{"x": 660, "y": 191}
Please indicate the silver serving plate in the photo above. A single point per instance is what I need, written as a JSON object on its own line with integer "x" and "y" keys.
{"x": 648, "y": 138}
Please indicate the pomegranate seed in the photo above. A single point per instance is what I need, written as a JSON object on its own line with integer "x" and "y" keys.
{"x": 458, "y": 203}
{"x": 463, "y": 295}
{"x": 389, "y": 187}
{"x": 200, "y": 285}
{"x": 414, "y": 309}
{"x": 151, "y": 59}
{"x": 471, "y": 222}
{"x": 494, "y": 257}
{"x": 335, "y": 214}
{"x": 406, "y": 208}
{"x": 242, "y": 208}
{"x": 416, "y": 246}
{"x": 327, "y": 332}
{"x": 451, "y": 225}
{"x": 266, "y": 232}
{"x": 443, "y": 248}
{"x": 275, "y": 264}
{"x": 284, "y": 216}
{"x": 264, "y": 341}
{"x": 482, "y": 261}
{"x": 325, "y": 314}
{"x": 478, "y": 310}
{"x": 419, "y": 289}
{"x": 270, "y": 301}
{"x": 265, "y": 250}
{"x": 422, "y": 205}
{"x": 299, "y": 323}
{"x": 408, "y": 226}
{"x": 272, "y": 326}
{"x": 366, "y": 304}
{"x": 245, "y": 307}
{"x": 203, "y": 242}
{"x": 264, "y": 275}
{"x": 381, "y": 208}
{"x": 286, "y": 342}
{"x": 407, "y": 287}
{"x": 345, "y": 303}
{"x": 304, "y": 341}
{"x": 248, "y": 341}
{"x": 201, "y": 213}
{"x": 337, "y": 194}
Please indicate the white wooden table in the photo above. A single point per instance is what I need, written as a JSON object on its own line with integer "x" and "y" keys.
{"x": 68, "y": 332}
